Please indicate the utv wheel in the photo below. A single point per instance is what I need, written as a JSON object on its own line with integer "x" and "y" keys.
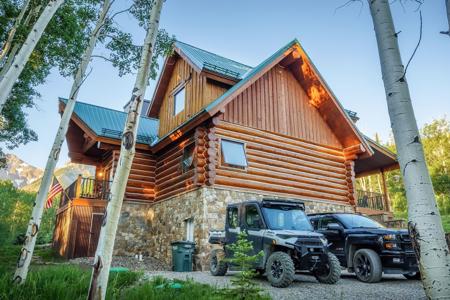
{"x": 216, "y": 265}
{"x": 330, "y": 272}
{"x": 412, "y": 276}
{"x": 367, "y": 265}
{"x": 280, "y": 269}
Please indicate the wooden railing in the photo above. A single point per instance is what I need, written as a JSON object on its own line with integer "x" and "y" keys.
{"x": 370, "y": 200}
{"x": 86, "y": 188}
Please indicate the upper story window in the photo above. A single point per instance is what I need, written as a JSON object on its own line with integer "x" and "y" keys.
{"x": 233, "y": 154}
{"x": 179, "y": 101}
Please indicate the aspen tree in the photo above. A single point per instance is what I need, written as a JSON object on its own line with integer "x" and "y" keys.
{"x": 447, "y": 7}
{"x": 34, "y": 223}
{"x": 19, "y": 62}
{"x": 424, "y": 224}
{"x": 103, "y": 255}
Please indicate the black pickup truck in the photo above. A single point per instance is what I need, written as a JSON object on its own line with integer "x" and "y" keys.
{"x": 366, "y": 247}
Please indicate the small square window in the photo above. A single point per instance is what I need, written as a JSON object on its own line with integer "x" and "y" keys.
{"x": 233, "y": 217}
{"x": 233, "y": 154}
{"x": 187, "y": 162}
{"x": 179, "y": 100}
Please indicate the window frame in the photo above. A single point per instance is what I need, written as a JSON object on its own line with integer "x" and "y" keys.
{"x": 225, "y": 165}
{"x": 190, "y": 229}
{"x": 175, "y": 92}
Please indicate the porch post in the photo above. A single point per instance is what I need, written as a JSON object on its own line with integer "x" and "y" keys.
{"x": 387, "y": 201}
{"x": 78, "y": 188}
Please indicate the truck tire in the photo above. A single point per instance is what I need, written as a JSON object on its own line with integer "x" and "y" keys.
{"x": 280, "y": 269}
{"x": 367, "y": 265}
{"x": 217, "y": 266}
{"x": 331, "y": 272}
{"x": 412, "y": 276}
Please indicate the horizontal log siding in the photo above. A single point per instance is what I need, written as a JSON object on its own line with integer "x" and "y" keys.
{"x": 199, "y": 93}
{"x": 170, "y": 179}
{"x": 141, "y": 181}
{"x": 285, "y": 165}
{"x": 277, "y": 103}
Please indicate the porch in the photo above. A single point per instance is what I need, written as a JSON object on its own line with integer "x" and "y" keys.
{"x": 79, "y": 217}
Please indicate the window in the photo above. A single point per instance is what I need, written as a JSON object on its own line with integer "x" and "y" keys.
{"x": 179, "y": 99}
{"x": 252, "y": 217}
{"x": 187, "y": 163}
{"x": 233, "y": 154}
{"x": 189, "y": 229}
{"x": 323, "y": 223}
{"x": 233, "y": 217}
{"x": 280, "y": 217}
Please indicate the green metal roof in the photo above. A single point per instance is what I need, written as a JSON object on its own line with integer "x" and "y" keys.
{"x": 213, "y": 62}
{"x": 109, "y": 123}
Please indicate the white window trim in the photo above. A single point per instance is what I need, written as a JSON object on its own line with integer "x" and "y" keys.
{"x": 229, "y": 166}
{"x": 190, "y": 229}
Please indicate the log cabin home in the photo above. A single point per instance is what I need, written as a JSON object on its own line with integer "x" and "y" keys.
{"x": 217, "y": 131}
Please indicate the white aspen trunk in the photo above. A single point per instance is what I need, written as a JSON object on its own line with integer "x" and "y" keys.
{"x": 11, "y": 76}
{"x": 12, "y": 32}
{"x": 447, "y": 6}
{"x": 424, "y": 224}
{"x": 103, "y": 255}
{"x": 33, "y": 226}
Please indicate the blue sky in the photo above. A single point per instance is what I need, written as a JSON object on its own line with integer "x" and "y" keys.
{"x": 341, "y": 44}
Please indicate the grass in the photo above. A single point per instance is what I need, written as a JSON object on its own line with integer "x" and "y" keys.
{"x": 444, "y": 218}
{"x": 64, "y": 282}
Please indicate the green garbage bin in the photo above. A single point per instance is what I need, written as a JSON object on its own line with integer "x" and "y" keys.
{"x": 182, "y": 253}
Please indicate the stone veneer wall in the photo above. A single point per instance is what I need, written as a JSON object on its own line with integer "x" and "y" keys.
{"x": 150, "y": 228}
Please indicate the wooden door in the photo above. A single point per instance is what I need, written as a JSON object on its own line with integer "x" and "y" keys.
{"x": 96, "y": 223}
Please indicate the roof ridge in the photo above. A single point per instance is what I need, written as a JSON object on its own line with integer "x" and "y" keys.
{"x": 108, "y": 108}
{"x": 215, "y": 54}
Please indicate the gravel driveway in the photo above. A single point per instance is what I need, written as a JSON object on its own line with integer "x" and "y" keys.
{"x": 307, "y": 287}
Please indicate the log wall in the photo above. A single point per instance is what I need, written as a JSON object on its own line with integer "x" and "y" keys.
{"x": 170, "y": 178}
{"x": 277, "y": 103}
{"x": 285, "y": 165}
{"x": 141, "y": 182}
{"x": 199, "y": 92}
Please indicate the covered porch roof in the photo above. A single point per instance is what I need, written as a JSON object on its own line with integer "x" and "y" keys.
{"x": 382, "y": 160}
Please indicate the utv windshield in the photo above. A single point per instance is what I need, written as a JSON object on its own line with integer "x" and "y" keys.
{"x": 286, "y": 218}
{"x": 357, "y": 221}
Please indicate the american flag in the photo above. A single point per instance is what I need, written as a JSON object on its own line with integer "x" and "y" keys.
{"x": 55, "y": 190}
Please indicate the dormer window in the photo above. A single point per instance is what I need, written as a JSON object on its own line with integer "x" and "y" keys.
{"x": 179, "y": 101}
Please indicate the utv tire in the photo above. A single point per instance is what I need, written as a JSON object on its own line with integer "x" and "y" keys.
{"x": 217, "y": 266}
{"x": 367, "y": 266}
{"x": 280, "y": 269}
{"x": 331, "y": 272}
{"x": 412, "y": 276}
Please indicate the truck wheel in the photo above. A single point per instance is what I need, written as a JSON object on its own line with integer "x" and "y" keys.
{"x": 412, "y": 276}
{"x": 367, "y": 265}
{"x": 330, "y": 272}
{"x": 217, "y": 266}
{"x": 280, "y": 269}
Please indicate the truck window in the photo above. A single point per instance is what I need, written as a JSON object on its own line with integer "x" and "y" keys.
{"x": 252, "y": 217}
{"x": 233, "y": 217}
{"x": 323, "y": 222}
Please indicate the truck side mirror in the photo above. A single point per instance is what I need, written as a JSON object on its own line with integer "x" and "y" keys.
{"x": 335, "y": 227}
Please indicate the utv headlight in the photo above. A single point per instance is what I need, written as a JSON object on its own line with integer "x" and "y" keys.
{"x": 389, "y": 237}
{"x": 324, "y": 241}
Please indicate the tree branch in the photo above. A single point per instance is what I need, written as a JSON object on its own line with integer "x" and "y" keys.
{"x": 415, "y": 50}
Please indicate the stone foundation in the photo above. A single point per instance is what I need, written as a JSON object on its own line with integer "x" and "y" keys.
{"x": 150, "y": 229}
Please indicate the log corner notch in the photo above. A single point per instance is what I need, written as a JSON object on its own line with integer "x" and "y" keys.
{"x": 206, "y": 152}
{"x": 351, "y": 154}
